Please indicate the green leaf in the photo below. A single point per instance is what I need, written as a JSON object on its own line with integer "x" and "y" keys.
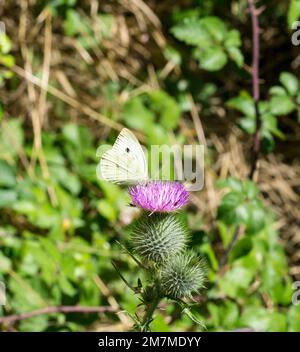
{"x": 7, "y": 198}
{"x": 159, "y": 324}
{"x": 231, "y": 182}
{"x": 214, "y": 311}
{"x": 5, "y": 267}
{"x": 268, "y": 143}
{"x": 233, "y": 39}
{"x": 293, "y": 317}
{"x": 111, "y": 191}
{"x": 248, "y": 124}
{"x": 7, "y": 175}
{"x": 281, "y": 105}
{"x": 269, "y": 124}
{"x": 211, "y": 59}
{"x": 275, "y": 280}
{"x": 235, "y": 282}
{"x": 194, "y": 318}
{"x": 242, "y": 213}
{"x": 229, "y": 314}
{"x": 71, "y": 133}
{"x": 298, "y": 98}
{"x": 225, "y": 232}
{"x": 11, "y": 137}
{"x": 73, "y": 23}
{"x": 166, "y": 108}
{"x": 136, "y": 115}
{"x": 66, "y": 286}
{"x": 107, "y": 210}
{"x": 250, "y": 189}
{"x": 255, "y": 218}
{"x": 67, "y": 179}
{"x": 241, "y": 206}
{"x": 207, "y": 249}
{"x": 293, "y": 12}
{"x": 215, "y": 27}
{"x": 261, "y": 320}
{"x": 243, "y": 103}
{"x": 290, "y": 82}
{"x": 227, "y": 209}
{"x": 241, "y": 249}
{"x": 236, "y": 55}
{"x": 34, "y": 324}
{"x": 156, "y": 135}
{"x": 25, "y": 207}
{"x": 277, "y": 90}
{"x": 8, "y": 61}
{"x": 105, "y": 22}
{"x": 1, "y": 111}
{"x": 192, "y": 32}
{"x": 5, "y": 43}
{"x": 172, "y": 55}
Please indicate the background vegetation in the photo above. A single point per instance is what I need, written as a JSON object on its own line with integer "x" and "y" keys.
{"x": 72, "y": 73}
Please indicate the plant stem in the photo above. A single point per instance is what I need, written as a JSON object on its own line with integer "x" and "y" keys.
{"x": 255, "y": 86}
{"x": 234, "y": 239}
{"x": 256, "y": 96}
{"x": 149, "y": 310}
{"x": 49, "y": 310}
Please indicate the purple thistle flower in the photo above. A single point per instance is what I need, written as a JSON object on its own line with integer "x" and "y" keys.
{"x": 159, "y": 196}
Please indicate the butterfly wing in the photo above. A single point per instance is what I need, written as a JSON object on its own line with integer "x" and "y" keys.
{"x": 125, "y": 162}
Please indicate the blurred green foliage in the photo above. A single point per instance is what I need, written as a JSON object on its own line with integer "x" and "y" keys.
{"x": 58, "y": 233}
{"x": 212, "y": 41}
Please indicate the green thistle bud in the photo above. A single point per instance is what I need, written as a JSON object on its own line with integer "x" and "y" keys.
{"x": 182, "y": 275}
{"x": 157, "y": 237}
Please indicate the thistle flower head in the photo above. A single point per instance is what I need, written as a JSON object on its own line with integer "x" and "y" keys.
{"x": 159, "y": 237}
{"x": 159, "y": 196}
{"x": 182, "y": 275}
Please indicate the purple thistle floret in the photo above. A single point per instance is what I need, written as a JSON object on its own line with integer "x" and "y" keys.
{"x": 159, "y": 196}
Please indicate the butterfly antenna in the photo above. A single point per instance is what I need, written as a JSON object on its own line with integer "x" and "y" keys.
{"x": 132, "y": 205}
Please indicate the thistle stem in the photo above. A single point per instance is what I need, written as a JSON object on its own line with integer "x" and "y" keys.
{"x": 149, "y": 311}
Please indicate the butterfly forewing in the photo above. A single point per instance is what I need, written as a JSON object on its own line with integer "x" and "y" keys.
{"x": 125, "y": 162}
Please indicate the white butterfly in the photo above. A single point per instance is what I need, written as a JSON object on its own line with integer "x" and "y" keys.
{"x": 125, "y": 162}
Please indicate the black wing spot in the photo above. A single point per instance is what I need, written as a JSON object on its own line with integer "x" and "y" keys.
{"x": 127, "y": 150}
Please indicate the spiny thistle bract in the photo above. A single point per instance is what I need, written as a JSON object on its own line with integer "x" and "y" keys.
{"x": 157, "y": 237}
{"x": 182, "y": 275}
